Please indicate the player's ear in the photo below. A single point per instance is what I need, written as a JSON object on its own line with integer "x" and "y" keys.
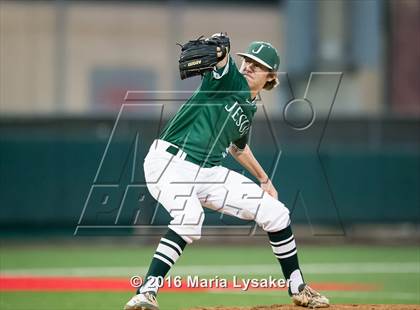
{"x": 271, "y": 77}
{"x": 272, "y": 81}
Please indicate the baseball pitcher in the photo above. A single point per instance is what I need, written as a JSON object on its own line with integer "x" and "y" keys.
{"x": 183, "y": 167}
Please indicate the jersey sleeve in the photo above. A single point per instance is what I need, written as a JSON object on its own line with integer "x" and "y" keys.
{"x": 241, "y": 142}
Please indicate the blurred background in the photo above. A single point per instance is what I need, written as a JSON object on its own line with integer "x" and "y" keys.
{"x": 67, "y": 67}
{"x": 85, "y": 87}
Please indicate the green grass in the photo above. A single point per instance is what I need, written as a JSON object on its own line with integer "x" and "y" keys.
{"x": 393, "y": 287}
{"x": 95, "y": 256}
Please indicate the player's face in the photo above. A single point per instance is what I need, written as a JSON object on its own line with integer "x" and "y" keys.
{"x": 255, "y": 73}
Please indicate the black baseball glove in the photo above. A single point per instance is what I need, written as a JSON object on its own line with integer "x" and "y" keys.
{"x": 201, "y": 55}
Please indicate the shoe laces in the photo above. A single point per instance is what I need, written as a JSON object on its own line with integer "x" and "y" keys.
{"x": 151, "y": 297}
{"x": 310, "y": 292}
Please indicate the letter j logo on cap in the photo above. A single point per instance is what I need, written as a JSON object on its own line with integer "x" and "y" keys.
{"x": 257, "y": 50}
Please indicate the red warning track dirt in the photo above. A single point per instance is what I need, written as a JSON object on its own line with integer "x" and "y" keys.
{"x": 123, "y": 284}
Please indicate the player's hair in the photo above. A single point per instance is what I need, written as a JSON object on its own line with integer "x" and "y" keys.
{"x": 269, "y": 85}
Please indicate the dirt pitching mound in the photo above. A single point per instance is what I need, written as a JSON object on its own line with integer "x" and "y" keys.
{"x": 332, "y": 307}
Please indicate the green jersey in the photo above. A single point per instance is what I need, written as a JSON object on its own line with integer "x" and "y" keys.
{"x": 219, "y": 113}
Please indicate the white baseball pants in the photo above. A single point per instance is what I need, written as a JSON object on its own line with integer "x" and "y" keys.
{"x": 184, "y": 188}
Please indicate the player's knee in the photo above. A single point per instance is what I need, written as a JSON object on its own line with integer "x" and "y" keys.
{"x": 274, "y": 216}
{"x": 188, "y": 233}
{"x": 279, "y": 222}
{"x": 189, "y": 226}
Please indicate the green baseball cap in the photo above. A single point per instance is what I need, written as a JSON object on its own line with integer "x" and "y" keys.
{"x": 263, "y": 53}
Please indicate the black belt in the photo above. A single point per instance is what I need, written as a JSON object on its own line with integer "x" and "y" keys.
{"x": 174, "y": 151}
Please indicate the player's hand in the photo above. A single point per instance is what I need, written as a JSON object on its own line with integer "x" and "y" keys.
{"x": 268, "y": 187}
{"x": 220, "y": 53}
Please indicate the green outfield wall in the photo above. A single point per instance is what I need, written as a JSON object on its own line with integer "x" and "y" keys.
{"x": 346, "y": 171}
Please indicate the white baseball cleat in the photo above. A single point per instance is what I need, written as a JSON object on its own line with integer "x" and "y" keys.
{"x": 145, "y": 301}
{"x": 308, "y": 297}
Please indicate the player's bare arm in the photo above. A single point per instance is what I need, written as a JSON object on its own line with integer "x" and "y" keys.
{"x": 247, "y": 160}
